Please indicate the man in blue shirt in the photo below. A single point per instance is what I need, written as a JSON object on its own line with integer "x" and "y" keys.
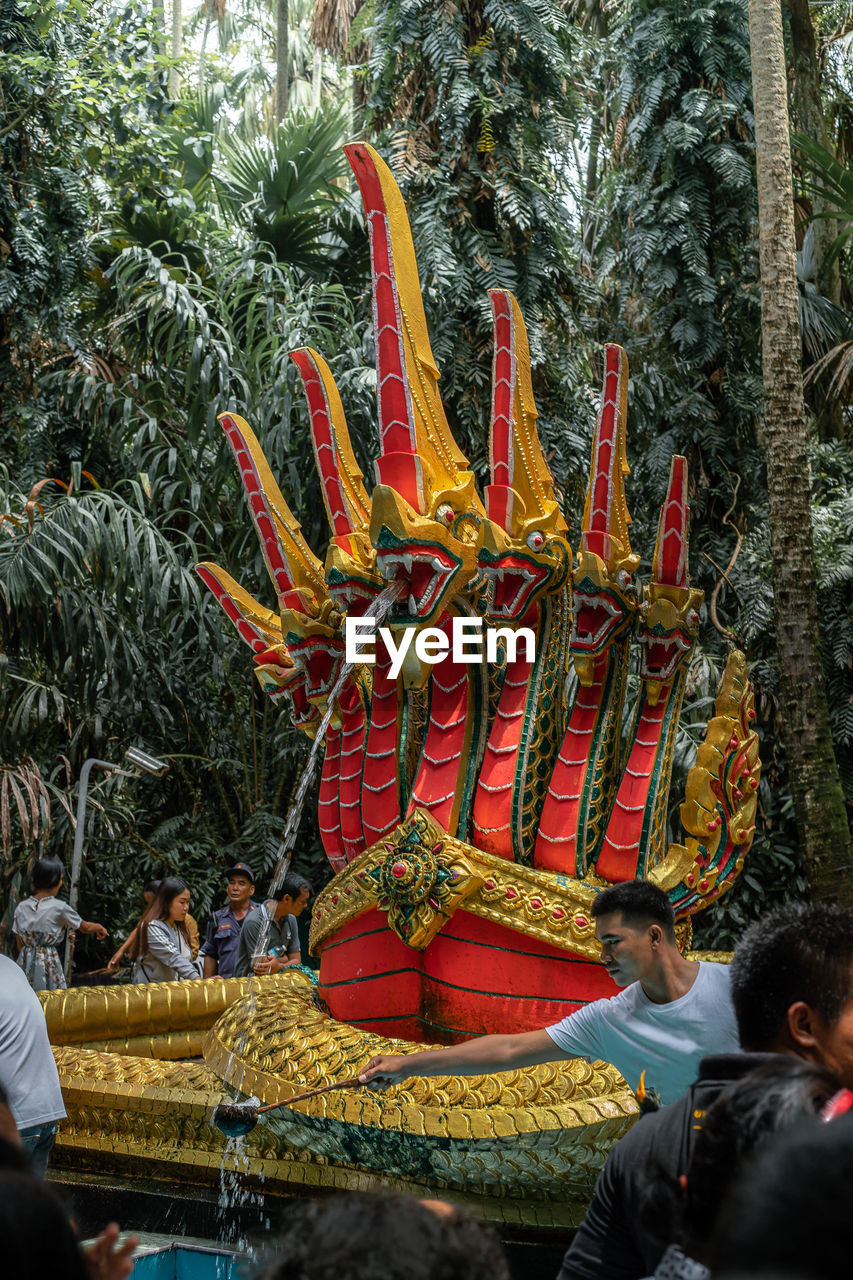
{"x": 223, "y": 930}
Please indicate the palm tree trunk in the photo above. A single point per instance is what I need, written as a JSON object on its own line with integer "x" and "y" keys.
{"x": 317, "y": 79}
{"x": 282, "y": 60}
{"x": 591, "y": 185}
{"x": 177, "y": 47}
{"x": 818, "y": 800}
{"x": 203, "y": 50}
{"x": 598, "y": 27}
{"x": 158, "y": 38}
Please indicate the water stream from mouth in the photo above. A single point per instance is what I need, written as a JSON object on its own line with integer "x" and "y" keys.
{"x": 235, "y": 1193}
{"x": 232, "y": 1179}
{"x": 379, "y": 611}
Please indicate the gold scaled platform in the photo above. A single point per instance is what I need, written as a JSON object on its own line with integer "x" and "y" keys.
{"x": 522, "y": 1147}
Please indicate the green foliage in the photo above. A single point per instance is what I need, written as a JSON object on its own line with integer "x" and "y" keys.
{"x": 831, "y": 468}
{"x": 177, "y": 308}
{"x": 112, "y": 640}
{"x": 44, "y": 205}
{"x": 679, "y": 252}
{"x": 677, "y": 256}
{"x": 159, "y": 259}
{"x": 73, "y": 82}
{"x": 823, "y": 323}
{"x": 831, "y": 179}
{"x": 474, "y": 102}
{"x": 185, "y": 348}
{"x": 287, "y": 188}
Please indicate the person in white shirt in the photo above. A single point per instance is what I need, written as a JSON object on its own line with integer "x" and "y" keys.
{"x": 672, "y": 1012}
{"x": 27, "y": 1069}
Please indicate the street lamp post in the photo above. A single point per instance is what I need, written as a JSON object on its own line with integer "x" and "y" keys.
{"x": 141, "y": 762}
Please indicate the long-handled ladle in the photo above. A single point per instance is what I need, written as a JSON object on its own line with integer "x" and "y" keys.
{"x": 235, "y": 1119}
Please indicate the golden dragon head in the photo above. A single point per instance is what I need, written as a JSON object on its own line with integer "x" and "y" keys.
{"x": 426, "y": 518}
{"x": 525, "y": 550}
{"x": 669, "y": 618}
{"x": 351, "y": 575}
{"x": 310, "y": 619}
{"x": 605, "y": 599}
{"x": 277, "y": 674}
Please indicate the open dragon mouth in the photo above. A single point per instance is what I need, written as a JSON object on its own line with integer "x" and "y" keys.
{"x": 512, "y": 582}
{"x": 660, "y": 655}
{"x": 596, "y": 620}
{"x": 321, "y": 662}
{"x": 351, "y": 592}
{"x": 425, "y": 570}
{"x": 304, "y": 712}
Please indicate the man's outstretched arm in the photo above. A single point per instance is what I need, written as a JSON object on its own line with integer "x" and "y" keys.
{"x": 471, "y": 1058}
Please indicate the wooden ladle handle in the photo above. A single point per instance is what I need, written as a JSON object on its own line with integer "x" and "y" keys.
{"x": 311, "y": 1093}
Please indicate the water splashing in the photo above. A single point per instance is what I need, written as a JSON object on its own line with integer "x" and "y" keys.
{"x": 379, "y": 611}
{"x": 232, "y": 1191}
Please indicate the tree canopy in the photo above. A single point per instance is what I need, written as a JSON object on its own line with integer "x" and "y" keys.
{"x": 168, "y": 234}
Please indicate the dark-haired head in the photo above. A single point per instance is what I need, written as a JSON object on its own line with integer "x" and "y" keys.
{"x": 634, "y": 924}
{"x": 736, "y": 1127}
{"x": 790, "y": 1213}
{"x": 151, "y": 889}
{"x": 167, "y": 892}
{"x": 792, "y": 985}
{"x": 362, "y": 1236}
{"x": 47, "y": 874}
{"x": 292, "y": 886}
{"x": 13, "y": 1157}
{"x": 37, "y": 1239}
{"x": 639, "y": 903}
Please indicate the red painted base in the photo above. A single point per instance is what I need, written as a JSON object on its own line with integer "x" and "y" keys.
{"x": 475, "y": 978}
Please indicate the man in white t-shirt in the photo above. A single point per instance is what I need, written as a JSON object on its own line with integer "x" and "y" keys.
{"x": 27, "y": 1068}
{"x": 672, "y": 1012}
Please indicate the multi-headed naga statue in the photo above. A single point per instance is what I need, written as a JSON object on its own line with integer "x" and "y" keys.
{"x": 471, "y": 811}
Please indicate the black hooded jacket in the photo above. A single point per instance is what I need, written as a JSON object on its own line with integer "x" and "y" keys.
{"x": 610, "y": 1243}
